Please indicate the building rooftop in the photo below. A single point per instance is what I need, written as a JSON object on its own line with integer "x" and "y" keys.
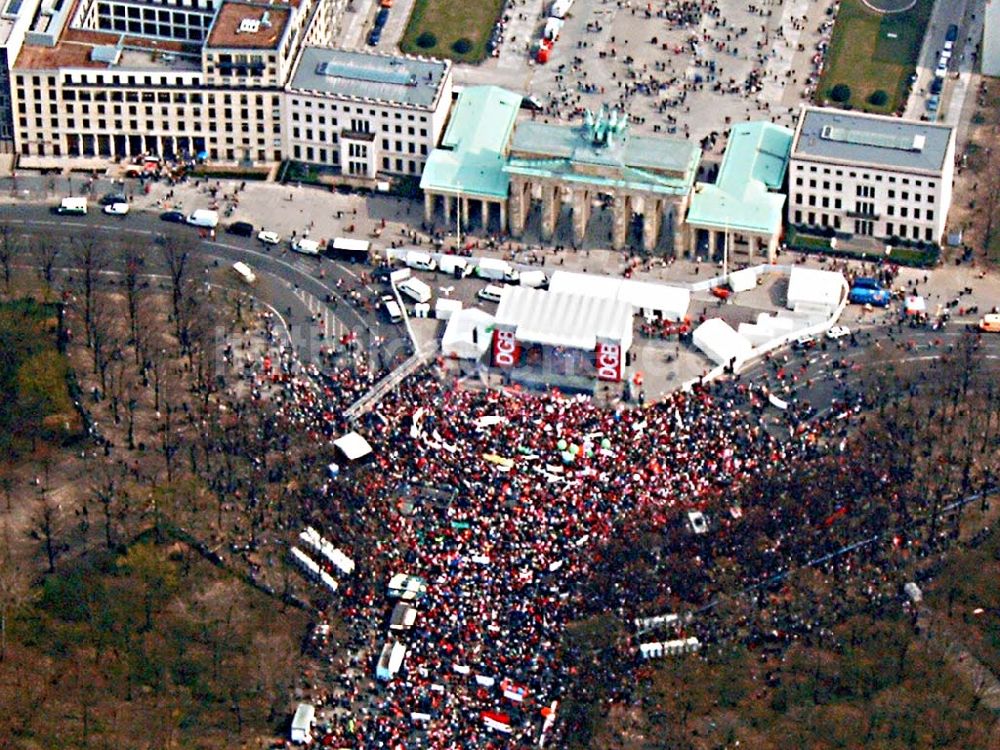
{"x": 754, "y": 164}
{"x": 573, "y": 153}
{"x": 243, "y": 25}
{"x": 875, "y": 141}
{"x": 411, "y": 81}
{"x": 471, "y": 157}
{"x": 86, "y": 48}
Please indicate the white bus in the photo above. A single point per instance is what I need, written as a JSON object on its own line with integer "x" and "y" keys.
{"x": 242, "y": 270}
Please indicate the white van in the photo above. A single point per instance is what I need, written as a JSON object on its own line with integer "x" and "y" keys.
{"x": 72, "y": 206}
{"x": 242, "y": 270}
{"x": 420, "y": 261}
{"x": 455, "y": 265}
{"x": 390, "y": 660}
{"x": 392, "y": 308}
{"x": 534, "y": 279}
{"x": 496, "y": 270}
{"x": 416, "y": 290}
{"x": 204, "y": 218}
{"x": 491, "y": 293}
{"x": 305, "y": 246}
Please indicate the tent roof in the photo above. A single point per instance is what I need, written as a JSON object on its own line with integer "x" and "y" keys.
{"x": 353, "y": 446}
{"x": 720, "y": 342}
{"x": 815, "y": 287}
{"x": 457, "y": 338}
{"x": 561, "y": 319}
{"x": 649, "y": 295}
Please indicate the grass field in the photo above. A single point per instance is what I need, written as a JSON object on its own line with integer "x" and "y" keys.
{"x": 450, "y": 21}
{"x": 871, "y": 52}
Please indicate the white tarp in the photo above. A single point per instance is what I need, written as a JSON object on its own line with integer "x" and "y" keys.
{"x": 720, "y": 342}
{"x": 552, "y": 27}
{"x": 457, "y": 340}
{"x": 574, "y": 321}
{"x": 352, "y": 446}
{"x": 810, "y": 288}
{"x": 670, "y": 301}
{"x": 561, "y": 7}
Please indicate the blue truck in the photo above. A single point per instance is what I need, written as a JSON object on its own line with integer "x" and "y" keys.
{"x": 867, "y": 291}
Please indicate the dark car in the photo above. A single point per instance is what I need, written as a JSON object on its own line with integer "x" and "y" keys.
{"x": 240, "y": 228}
{"x": 936, "y": 85}
{"x": 174, "y": 217}
{"x": 381, "y": 17}
{"x": 111, "y": 198}
{"x": 374, "y": 37}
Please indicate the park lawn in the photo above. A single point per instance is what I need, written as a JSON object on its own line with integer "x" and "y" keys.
{"x": 866, "y": 58}
{"x": 450, "y": 21}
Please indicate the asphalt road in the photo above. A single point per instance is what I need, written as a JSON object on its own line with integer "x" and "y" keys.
{"x": 311, "y": 295}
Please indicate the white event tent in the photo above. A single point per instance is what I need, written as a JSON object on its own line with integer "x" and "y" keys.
{"x": 720, "y": 342}
{"x": 467, "y": 335}
{"x": 813, "y": 290}
{"x": 670, "y": 301}
{"x": 574, "y": 321}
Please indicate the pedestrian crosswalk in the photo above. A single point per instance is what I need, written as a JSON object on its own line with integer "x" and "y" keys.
{"x": 327, "y": 323}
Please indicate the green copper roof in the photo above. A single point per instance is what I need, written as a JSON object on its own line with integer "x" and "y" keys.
{"x": 754, "y": 164}
{"x": 660, "y": 165}
{"x": 470, "y": 159}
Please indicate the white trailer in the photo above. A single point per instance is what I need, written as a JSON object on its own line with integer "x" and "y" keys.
{"x": 72, "y": 206}
{"x": 302, "y": 723}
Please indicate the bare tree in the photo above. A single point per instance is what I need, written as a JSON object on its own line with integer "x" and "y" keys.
{"x": 46, "y": 251}
{"x": 47, "y": 528}
{"x": 10, "y": 246}
{"x": 132, "y": 262}
{"x": 88, "y": 257}
{"x": 176, "y": 251}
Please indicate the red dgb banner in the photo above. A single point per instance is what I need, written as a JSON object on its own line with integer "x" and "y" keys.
{"x": 506, "y": 350}
{"x": 608, "y": 361}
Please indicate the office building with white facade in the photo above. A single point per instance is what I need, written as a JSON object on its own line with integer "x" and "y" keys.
{"x": 364, "y": 113}
{"x": 873, "y": 176}
{"x": 98, "y": 79}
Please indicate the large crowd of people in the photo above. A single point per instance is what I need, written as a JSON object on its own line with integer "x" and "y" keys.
{"x": 514, "y": 505}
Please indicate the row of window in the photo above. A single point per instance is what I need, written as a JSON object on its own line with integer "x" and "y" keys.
{"x": 323, "y": 106}
{"x": 320, "y": 156}
{"x": 864, "y": 227}
{"x": 864, "y": 176}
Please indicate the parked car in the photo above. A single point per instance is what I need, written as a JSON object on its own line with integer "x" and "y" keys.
{"x": 174, "y": 217}
{"x": 381, "y": 17}
{"x": 240, "y": 229}
{"x": 117, "y": 209}
{"x": 110, "y": 198}
{"x": 269, "y": 238}
{"x": 838, "y": 332}
{"x": 374, "y": 37}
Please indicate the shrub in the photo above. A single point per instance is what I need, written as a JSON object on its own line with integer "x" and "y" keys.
{"x": 462, "y": 46}
{"x": 840, "y": 93}
{"x": 878, "y": 98}
{"x": 427, "y": 40}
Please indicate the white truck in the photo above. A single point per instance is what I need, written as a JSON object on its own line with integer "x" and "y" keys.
{"x": 495, "y": 269}
{"x": 72, "y": 206}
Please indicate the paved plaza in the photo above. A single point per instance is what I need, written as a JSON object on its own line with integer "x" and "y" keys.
{"x": 688, "y": 68}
